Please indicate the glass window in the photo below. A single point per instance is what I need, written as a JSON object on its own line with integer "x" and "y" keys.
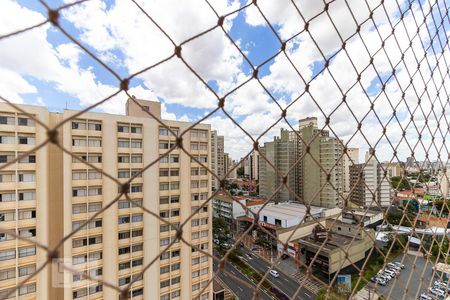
{"x": 136, "y": 144}
{"x": 136, "y": 158}
{"x": 123, "y": 144}
{"x": 5, "y": 139}
{"x": 123, "y": 128}
{"x": 27, "y": 251}
{"x": 163, "y": 131}
{"x": 136, "y": 129}
{"x": 7, "y": 120}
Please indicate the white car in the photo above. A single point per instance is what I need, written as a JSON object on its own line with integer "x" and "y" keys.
{"x": 437, "y": 292}
{"x": 393, "y": 267}
{"x": 425, "y": 296}
{"x": 399, "y": 264}
{"x": 391, "y": 273}
{"x": 274, "y": 273}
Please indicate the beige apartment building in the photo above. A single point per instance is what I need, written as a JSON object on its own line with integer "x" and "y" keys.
{"x": 281, "y": 153}
{"x": 217, "y": 158}
{"x": 55, "y": 193}
{"x": 325, "y": 153}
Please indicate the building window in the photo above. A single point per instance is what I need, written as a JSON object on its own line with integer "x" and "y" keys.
{"x": 27, "y": 270}
{"x": 123, "y": 128}
{"x": 163, "y": 131}
{"x": 27, "y": 251}
{"x": 25, "y": 196}
{"x": 136, "y": 144}
{"x": 27, "y": 177}
{"x": 5, "y": 139}
{"x": 136, "y": 189}
{"x": 27, "y": 289}
{"x": 7, "y": 254}
{"x": 6, "y": 216}
{"x": 123, "y": 144}
{"x": 7, "y": 120}
{"x": 7, "y": 274}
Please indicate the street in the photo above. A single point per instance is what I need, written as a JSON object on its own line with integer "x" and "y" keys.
{"x": 284, "y": 283}
{"x": 242, "y": 291}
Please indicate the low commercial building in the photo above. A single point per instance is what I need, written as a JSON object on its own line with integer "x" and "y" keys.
{"x": 228, "y": 208}
{"x": 336, "y": 247}
{"x": 282, "y": 219}
{"x": 370, "y": 218}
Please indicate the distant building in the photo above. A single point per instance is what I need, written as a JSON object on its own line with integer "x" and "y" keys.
{"x": 337, "y": 247}
{"x": 443, "y": 179}
{"x": 326, "y": 151}
{"x": 217, "y": 158}
{"x": 350, "y": 158}
{"x": 394, "y": 168}
{"x": 281, "y": 153}
{"x": 370, "y": 185}
{"x": 251, "y": 166}
{"x": 228, "y": 208}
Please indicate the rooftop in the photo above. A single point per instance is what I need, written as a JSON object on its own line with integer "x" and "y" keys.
{"x": 289, "y": 210}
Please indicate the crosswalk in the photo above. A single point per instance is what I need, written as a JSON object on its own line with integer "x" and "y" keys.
{"x": 310, "y": 284}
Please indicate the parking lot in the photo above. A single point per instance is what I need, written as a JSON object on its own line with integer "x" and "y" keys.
{"x": 412, "y": 280}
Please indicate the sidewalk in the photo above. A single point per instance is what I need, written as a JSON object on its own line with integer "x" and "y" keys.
{"x": 366, "y": 294}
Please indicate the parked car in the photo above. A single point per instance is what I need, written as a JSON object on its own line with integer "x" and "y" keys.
{"x": 274, "y": 273}
{"x": 399, "y": 264}
{"x": 397, "y": 272}
{"x": 390, "y": 272}
{"x": 387, "y": 276}
{"x": 394, "y": 267}
{"x": 381, "y": 281}
{"x": 382, "y": 273}
{"x": 425, "y": 296}
{"x": 437, "y": 292}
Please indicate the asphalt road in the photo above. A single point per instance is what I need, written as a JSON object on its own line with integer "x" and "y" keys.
{"x": 242, "y": 291}
{"x": 284, "y": 283}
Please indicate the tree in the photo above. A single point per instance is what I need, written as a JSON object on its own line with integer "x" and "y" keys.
{"x": 394, "y": 217}
{"x": 240, "y": 172}
{"x": 400, "y": 183}
{"x": 398, "y": 244}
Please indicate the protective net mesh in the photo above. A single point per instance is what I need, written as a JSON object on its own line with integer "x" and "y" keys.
{"x": 386, "y": 71}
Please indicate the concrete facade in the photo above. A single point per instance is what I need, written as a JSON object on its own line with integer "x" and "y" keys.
{"x": 337, "y": 248}
{"x": 350, "y": 158}
{"x": 316, "y": 148}
{"x": 217, "y": 158}
{"x": 281, "y": 153}
{"x": 121, "y": 241}
{"x": 370, "y": 185}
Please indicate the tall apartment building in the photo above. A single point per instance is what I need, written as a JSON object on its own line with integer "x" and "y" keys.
{"x": 251, "y": 166}
{"x": 49, "y": 194}
{"x": 24, "y": 205}
{"x": 217, "y": 158}
{"x": 281, "y": 152}
{"x": 350, "y": 158}
{"x": 370, "y": 187}
{"x": 313, "y": 185}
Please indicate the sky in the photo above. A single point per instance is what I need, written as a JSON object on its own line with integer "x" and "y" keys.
{"x": 44, "y": 67}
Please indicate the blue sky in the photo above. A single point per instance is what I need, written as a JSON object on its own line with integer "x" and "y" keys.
{"x": 73, "y": 79}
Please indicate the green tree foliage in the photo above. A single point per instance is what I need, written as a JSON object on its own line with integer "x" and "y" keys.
{"x": 394, "y": 217}
{"x": 442, "y": 205}
{"x": 398, "y": 244}
{"x": 400, "y": 184}
{"x": 240, "y": 172}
